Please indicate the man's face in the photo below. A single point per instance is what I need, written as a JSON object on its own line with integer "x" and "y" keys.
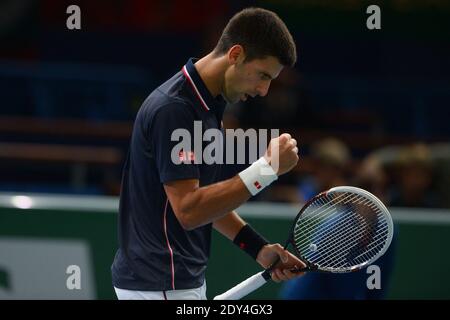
{"x": 252, "y": 78}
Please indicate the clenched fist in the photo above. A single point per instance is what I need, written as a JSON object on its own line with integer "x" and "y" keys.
{"x": 282, "y": 153}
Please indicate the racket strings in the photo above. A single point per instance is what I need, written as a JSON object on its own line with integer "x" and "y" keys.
{"x": 341, "y": 231}
{"x": 348, "y": 222}
{"x": 310, "y": 222}
{"x": 322, "y": 210}
{"x": 325, "y": 240}
{"x": 348, "y": 235}
{"x": 330, "y": 203}
{"x": 373, "y": 248}
{"x": 345, "y": 223}
{"x": 345, "y": 252}
{"x": 342, "y": 256}
{"x": 333, "y": 248}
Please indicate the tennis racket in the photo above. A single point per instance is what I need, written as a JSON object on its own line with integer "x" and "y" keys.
{"x": 340, "y": 230}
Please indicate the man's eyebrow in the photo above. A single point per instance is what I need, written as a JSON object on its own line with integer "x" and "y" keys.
{"x": 267, "y": 75}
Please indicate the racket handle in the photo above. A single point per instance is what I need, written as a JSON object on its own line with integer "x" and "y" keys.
{"x": 245, "y": 287}
{"x": 309, "y": 267}
{"x": 295, "y": 270}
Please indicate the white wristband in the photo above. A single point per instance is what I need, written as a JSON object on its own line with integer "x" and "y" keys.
{"x": 258, "y": 176}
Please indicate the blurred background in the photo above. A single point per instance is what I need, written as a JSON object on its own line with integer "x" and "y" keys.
{"x": 370, "y": 108}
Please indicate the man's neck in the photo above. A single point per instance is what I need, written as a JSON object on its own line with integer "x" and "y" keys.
{"x": 211, "y": 70}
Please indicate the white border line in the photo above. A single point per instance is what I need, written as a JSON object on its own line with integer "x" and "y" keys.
{"x": 195, "y": 87}
{"x": 260, "y": 210}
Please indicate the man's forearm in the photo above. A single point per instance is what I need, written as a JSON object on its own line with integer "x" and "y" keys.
{"x": 234, "y": 228}
{"x": 229, "y": 225}
{"x": 207, "y": 204}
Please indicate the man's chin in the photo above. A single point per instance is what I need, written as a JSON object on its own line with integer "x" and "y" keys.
{"x": 231, "y": 100}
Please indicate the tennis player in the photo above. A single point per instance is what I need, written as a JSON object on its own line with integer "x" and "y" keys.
{"x": 168, "y": 209}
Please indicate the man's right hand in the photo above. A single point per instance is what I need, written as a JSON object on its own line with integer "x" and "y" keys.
{"x": 282, "y": 153}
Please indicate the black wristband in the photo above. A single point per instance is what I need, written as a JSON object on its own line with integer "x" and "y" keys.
{"x": 250, "y": 241}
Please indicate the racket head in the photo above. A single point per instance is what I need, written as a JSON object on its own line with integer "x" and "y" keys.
{"x": 343, "y": 229}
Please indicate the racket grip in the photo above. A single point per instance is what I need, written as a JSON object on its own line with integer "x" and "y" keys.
{"x": 245, "y": 287}
{"x": 305, "y": 269}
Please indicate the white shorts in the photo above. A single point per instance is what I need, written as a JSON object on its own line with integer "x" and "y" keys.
{"x": 188, "y": 294}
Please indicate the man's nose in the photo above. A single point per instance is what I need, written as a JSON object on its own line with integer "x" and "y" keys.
{"x": 263, "y": 89}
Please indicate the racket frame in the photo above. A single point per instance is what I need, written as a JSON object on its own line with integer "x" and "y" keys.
{"x": 312, "y": 267}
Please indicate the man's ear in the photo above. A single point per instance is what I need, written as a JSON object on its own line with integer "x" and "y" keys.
{"x": 236, "y": 54}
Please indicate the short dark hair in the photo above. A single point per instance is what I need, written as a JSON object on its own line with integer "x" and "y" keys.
{"x": 261, "y": 33}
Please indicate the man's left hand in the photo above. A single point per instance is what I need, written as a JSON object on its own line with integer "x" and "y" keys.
{"x": 287, "y": 261}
